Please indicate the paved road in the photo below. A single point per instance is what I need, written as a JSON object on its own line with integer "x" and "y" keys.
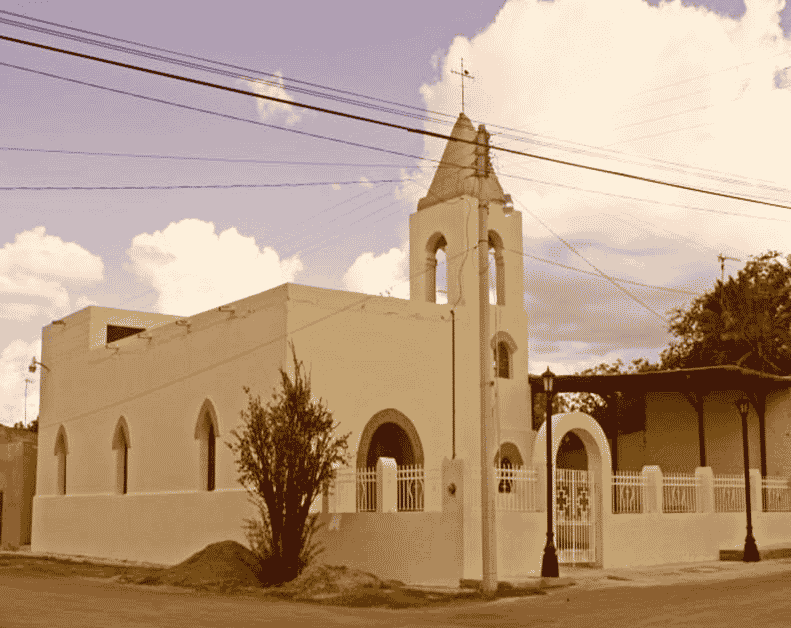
{"x": 55, "y": 602}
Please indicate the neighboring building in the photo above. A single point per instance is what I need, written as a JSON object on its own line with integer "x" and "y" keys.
{"x": 136, "y": 408}
{"x": 17, "y": 485}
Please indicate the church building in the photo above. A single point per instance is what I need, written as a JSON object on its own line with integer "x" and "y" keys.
{"x": 136, "y": 409}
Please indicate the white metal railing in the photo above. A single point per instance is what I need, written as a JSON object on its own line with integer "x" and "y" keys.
{"x": 366, "y": 489}
{"x": 628, "y": 488}
{"x": 729, "y": 493}
{"x": 678, "y": 492}
{"x": 776, "y": 494}
{"x": 516, "y": 489}
{"x": 411, "y": 488}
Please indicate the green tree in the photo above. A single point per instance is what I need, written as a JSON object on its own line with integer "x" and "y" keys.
{"x": 286, "y": 453}
{"x": 30, "y": 427}
{"x": 746, "y": 321}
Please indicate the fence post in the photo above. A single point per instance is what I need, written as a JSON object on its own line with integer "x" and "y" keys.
{"x": 756, "y": 491}
{"x": 386, "y": 485}
{"x": 654, "y": 498}
{"x": 704, "y": 490}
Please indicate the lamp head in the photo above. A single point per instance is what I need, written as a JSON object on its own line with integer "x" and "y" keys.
{"x": 32, "y": 367}
{"x": 549, "y": 378}
{"x": 743, "y": 405}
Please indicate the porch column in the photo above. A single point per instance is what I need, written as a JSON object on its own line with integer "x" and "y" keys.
{"x": 696, "y": 399}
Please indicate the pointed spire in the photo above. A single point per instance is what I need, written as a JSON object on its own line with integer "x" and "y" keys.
{"x": 455, "y": 175}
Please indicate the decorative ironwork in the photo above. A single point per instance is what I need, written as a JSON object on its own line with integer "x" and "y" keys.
{"x": 679, "y": 493}
{"x": 627, "y": 492}
{"x": 574, "y": 516}
{"x": 411, "y": 485}
{"x": 366, "y": 490}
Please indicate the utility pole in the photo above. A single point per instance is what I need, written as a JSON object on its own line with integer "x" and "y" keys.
{"x": 488, "y": 513}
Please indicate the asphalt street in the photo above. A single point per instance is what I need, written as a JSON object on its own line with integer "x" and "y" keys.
{"x": 53, "y": 602}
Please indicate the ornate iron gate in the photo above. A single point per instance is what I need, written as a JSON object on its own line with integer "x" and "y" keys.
{"x": 575, "y": 533}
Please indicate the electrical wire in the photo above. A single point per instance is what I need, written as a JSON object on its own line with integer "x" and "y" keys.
{"x": 382, "y": 122}
{"x": 264, "y": 162}
{"x": 276, "y": 76}
{"x": 41, "y": 188}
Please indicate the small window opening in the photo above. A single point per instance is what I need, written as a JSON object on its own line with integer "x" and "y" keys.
{"x": 441, "y": 277}
{"x": 116, "y": 332}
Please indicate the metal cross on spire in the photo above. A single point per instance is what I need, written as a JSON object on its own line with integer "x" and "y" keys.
{"x": 464, "y": 75}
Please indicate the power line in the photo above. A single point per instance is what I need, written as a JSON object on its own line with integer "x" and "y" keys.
{"x": 265, "y": 162}
{"x": 360, "y": 145}
{"x": 587, "y": 272}
{"x": 600, "y": 272}
{"x": 381, "y": 122}
{"x": 187, "y": 187}
{"x": 277, "y": 76}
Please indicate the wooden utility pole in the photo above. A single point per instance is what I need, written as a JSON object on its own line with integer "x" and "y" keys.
{"x": 722, "y": 259}
{"x": 488, "y": 513}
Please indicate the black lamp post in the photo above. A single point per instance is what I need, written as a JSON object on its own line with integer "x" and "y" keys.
{"x": 549, "y": 565}
{"x": 750, "y": 548}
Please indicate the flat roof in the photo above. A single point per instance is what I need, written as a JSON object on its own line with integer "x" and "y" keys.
{"x": 708, "y": 378}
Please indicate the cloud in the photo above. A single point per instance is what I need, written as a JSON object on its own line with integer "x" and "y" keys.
{"x": 386, "y": 274}
{"x": 365, "y": 182}
{"x": 14, "y": 360}
{"x": 195, "y": 269}
{"x": 268, "y": 109}
{"x": 672, "y": 92}
{"x": 36, "y": 272}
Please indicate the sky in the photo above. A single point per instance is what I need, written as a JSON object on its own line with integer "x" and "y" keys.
{"x": 696, "y": 94}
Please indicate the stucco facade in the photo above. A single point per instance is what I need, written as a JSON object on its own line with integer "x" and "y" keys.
{"x": 124, "y": 422}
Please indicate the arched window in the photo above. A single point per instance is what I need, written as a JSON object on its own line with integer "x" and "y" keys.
{"x": 436, "y": 267}
{"x": 61, "y": 451}
{"x": 502, "y": 359}
{"x": 503, "y": 348}
{"x": 497, "y": 267}
{"x": 121, "y": 445}
{"x": 211, "y": 459}
{"x": 206, "y": 432}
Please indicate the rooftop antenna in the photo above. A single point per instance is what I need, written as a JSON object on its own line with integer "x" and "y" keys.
{"x": 722, "y": 259}
{"x": 464, "y": 75}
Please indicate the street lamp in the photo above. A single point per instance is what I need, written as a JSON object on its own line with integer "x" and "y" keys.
{"x": 33, "y": 362}
{"x": 750, "y": 548}
{"x": 549, "y": 565}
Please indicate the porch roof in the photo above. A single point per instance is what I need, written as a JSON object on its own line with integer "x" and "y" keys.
{"x": 708, "y": 378}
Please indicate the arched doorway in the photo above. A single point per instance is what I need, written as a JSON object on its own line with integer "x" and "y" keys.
{"x": 581, "y": 491}
{"x": 390, "y": 434}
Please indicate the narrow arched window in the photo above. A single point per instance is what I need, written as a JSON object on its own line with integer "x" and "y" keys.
{"x": 61, "y": 450}
{"x": 502, "y": 360}
{"x": 496, "y": 269}
{"x": 206, "y": 433}
{"x": 436, "y": 269}
{"x": 121, "y": 448}
{"x": 211, "y": 455}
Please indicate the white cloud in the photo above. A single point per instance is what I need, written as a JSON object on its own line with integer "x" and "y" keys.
{"x": 14, "y": 362}
{"x": 36, "y": 272}
{"x": 274, "y": 88}
{"x": 385, "y": 274}
{"x": 365, "y": 182}
{"x": 673, "y": 83}
{"x": 195, "y": 269}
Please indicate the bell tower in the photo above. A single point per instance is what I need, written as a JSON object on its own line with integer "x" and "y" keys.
{"x": 446, "y": 219}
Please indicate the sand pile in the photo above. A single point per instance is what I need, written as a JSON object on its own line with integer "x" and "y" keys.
{"x": 325, "y": 581}
{"x": 226, "y": 565}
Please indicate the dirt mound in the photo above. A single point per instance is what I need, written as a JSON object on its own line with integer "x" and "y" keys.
{"x": 225, "y": 565}
{"x": 325, "y": 581}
